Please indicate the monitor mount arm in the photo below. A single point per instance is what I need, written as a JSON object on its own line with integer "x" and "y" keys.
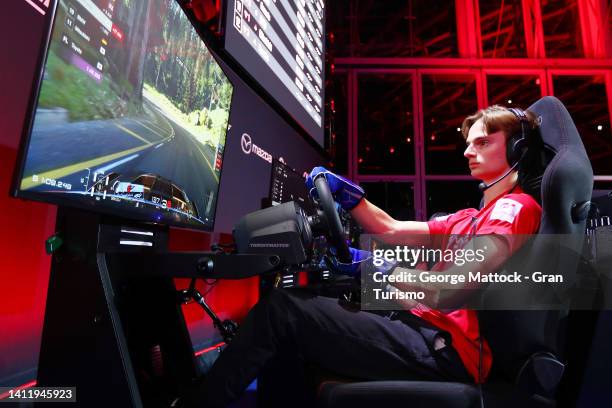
{"x": 216, "y": 266}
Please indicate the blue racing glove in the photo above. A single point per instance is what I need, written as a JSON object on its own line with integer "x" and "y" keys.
{"x": 359, "y": 259}
{"x": 345, "y": 192}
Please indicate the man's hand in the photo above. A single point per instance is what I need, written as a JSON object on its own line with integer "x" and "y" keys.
{"x": 358, "y": 257}
{"x": 345, "y": 192}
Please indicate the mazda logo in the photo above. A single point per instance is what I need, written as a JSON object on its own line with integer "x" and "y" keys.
{"x": 246, "y": 143}
{"x": 248, "y": 147}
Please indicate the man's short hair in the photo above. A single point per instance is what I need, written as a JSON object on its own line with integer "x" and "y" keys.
{"x": 496, "y": 118}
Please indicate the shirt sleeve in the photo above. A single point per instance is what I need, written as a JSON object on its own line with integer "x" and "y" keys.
{"x": 513, "y": 218}
{"x": 438, "y": 225}
{"x": 437, "y": 229}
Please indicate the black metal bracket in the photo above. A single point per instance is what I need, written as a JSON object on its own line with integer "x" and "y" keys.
{"x": 227, "y": 328}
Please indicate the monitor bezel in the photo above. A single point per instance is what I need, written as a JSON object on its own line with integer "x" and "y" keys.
{"x": 26, "y": 135}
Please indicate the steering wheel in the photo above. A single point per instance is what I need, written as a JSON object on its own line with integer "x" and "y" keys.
{"x": 336, "y": 231}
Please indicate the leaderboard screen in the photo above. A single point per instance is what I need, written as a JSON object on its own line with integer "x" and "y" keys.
{"x": 280, "y": 43}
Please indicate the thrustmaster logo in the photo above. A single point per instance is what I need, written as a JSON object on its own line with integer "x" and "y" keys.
{"x": 39, "y": 5}
{"x": 268, "y": 245}
{"x": 249, "y": 147}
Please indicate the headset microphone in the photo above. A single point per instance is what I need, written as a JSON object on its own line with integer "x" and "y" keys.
{"x": 484, "y": 186}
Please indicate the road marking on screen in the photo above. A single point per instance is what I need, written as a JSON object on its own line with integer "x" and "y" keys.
{"x": 152, "y": 130}
{"x": 155, "y": 125}
{"x": 115, "y": 164}
{"x": 131, "y": 133}
{"x": 207, "y": 162}
{"x": 153, "y": 110}
{"x": 162, "y": 115}
{"x": 27, "y": 182}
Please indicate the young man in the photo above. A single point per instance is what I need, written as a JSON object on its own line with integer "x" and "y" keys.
{"x": 422, "y": 344}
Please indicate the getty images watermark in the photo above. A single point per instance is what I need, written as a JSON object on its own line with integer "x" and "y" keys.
{"x": 497, "y": 272}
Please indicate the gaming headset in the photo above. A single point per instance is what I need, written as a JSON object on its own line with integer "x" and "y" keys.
{"x": 517, "y": 144}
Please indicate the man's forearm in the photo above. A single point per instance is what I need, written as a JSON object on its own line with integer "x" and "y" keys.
{"x": 375, "y": 221}
{"x": 453, "y": 292}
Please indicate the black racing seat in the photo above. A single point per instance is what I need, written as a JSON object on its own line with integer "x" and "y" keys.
{"x": 526, "y": 345}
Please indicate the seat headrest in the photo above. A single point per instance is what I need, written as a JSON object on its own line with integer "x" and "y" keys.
{"x": 567, "y": 181}
{"x": 557, "y": 128}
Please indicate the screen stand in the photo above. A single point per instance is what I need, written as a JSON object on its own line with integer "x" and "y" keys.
{"x": 113, "y": 326}
{"x": 104, "y": 333}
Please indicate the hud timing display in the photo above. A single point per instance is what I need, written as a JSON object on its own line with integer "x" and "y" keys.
{"x": 281, "y": 44}
{"x": 287, "y": 185}
{"x": 131, "y": 115}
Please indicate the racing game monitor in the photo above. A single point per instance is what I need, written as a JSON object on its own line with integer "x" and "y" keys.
{"x": 128, "y": 116}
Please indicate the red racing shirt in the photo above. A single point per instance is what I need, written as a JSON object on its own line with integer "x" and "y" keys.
{"x": 507, "y": 214}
